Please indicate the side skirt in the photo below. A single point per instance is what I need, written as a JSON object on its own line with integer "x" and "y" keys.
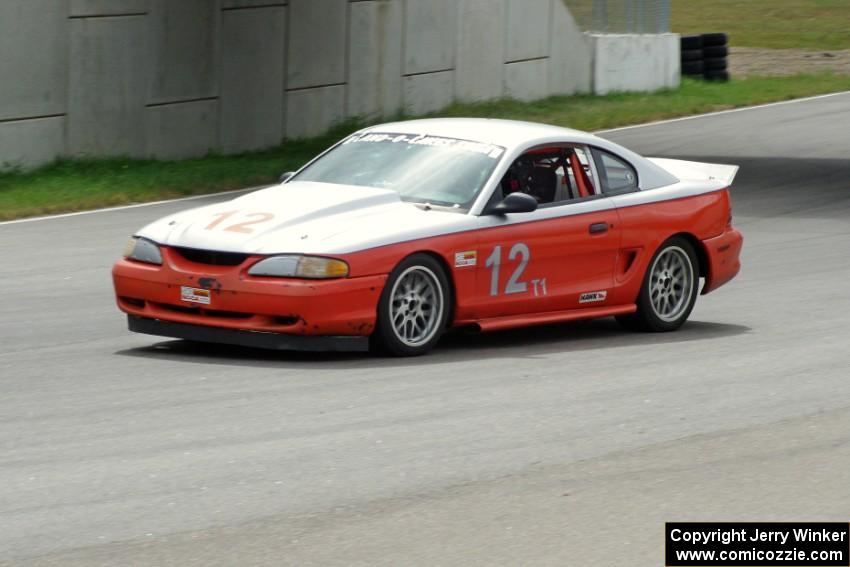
{"x": 528, "y": 319}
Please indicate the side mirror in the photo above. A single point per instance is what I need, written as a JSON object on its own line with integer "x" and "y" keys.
{"x": 284, "y": 177}
{"x": 516, "y": 203}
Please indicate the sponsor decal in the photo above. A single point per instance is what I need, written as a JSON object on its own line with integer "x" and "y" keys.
{"x": 490, "y": 150}
{"x": 243, "y": 227}
{"x": 467, "y": 258}
{"x": 195, "y": 295}
{"x": 593, "y": 297}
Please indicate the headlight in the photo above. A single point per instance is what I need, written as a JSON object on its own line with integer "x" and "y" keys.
{"x": 312, "y": 267}
{"x": 143, "y": 250}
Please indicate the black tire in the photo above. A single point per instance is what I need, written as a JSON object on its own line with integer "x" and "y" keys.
{"x": 388, "y": 337}
{"x": 714, "y": 39}
{"x": 720, "y": 76}
{"x": 691, "y": 42}
{"x": 715, "y": 64}
{"x": 659, "y": 282}
{"x": 692, "y": 68}
{"x": 715, "y": 51}
{"x": 692, "y": 55}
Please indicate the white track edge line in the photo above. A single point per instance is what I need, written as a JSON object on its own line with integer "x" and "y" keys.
{"x": 721, "y": 112}
{"x": 607, "y": 131}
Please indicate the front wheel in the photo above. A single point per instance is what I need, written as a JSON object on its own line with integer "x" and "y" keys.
{"x": 669, "y": 290}
{"x": 414, "y": 307}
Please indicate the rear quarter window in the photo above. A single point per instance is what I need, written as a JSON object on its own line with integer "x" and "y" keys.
{"x": 615, "y": 174}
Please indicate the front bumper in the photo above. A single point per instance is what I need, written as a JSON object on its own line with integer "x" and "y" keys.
{"x": 255, "y": 339}
{"x": 345, "y": 307}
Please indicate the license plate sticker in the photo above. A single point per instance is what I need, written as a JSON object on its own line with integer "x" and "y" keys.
{"x": 195, "y": 295}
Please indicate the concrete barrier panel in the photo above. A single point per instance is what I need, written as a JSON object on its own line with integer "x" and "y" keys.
{"x": 430, "y": 32}
{"x": 374, "y": 58}
{"x": 226, "y": 4}
{"x": 183, "y": 36}
{"x": 30, "y": 143}
{"x": 182, "y": 130}
{"x": 429, "y": 92}
{"x": 316, "y": 43}
{"x": 669, "y": 60}
{"x": 33, "y": 58}
{"x": 107, "y": 7}
{"x": 252, "y": 97}
{"x": 480, "y": 50}
{"x": 310, "y": 112}
{"x": 108, "y": 86}
{"x": 527, "y": 29}
{"x": 571, "y": 60}
{"x": 527, "y": 80}
{"x": 624, "y": 63}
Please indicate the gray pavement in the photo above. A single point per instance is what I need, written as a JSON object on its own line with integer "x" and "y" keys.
{"x": 567, "y": 444}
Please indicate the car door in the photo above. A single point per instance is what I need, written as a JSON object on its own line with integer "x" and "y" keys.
{"x": 559, "y": 257}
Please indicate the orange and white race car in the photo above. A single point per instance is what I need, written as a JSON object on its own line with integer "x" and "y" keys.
{"x": 403, "y": 230}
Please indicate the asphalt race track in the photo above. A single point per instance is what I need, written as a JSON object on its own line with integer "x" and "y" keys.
{"x": 562, "y": 445}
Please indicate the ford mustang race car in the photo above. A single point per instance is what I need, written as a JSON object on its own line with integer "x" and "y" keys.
{"x": 403, "y": 230}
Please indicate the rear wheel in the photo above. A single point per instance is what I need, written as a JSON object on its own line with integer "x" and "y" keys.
{"x": 414, "y": 307}
{"x": 669, "y": 289}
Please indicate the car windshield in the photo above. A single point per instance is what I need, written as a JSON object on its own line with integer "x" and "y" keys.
{"x": 420, "y": 168}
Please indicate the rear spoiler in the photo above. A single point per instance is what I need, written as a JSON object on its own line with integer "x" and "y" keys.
{"x": 697, "y": 171}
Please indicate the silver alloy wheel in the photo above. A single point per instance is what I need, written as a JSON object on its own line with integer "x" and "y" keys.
{"x": 416, "y": 306}
{"x": 671, "y": 283}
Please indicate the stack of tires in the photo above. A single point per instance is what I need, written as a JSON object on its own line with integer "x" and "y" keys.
{"x": 706, "y": 56}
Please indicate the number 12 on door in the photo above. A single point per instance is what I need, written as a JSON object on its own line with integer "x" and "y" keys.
{"x": 520, "y": 253}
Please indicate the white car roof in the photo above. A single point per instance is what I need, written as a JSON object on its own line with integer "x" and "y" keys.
{"x": 514, "y": 134}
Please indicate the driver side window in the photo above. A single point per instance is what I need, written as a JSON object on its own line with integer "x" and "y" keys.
{"x": 552, "y": 175}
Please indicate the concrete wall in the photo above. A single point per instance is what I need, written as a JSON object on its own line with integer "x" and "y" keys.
{"x": 177, "y": 79}
{"x": 635, "y": 62}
